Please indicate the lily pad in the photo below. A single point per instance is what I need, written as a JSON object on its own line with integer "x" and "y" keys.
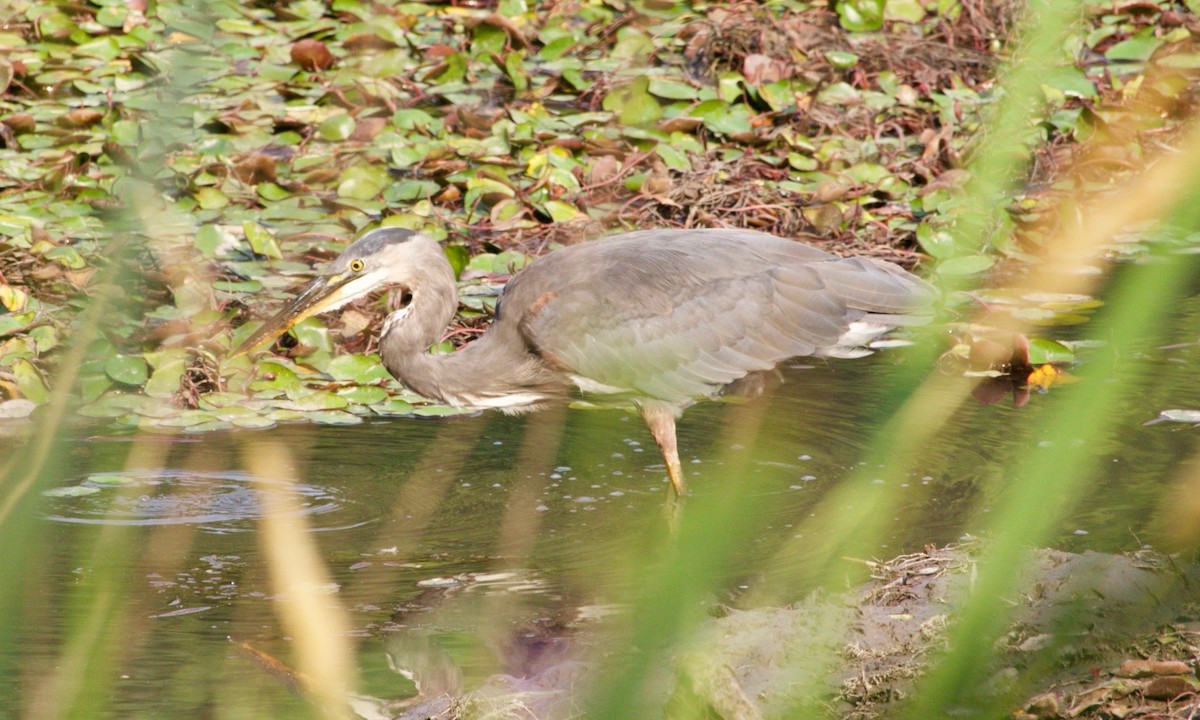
{"x": 30, "y": 382}
{"x": 966, "y": 265}
{"x": 70, "y": 491}
{"x": 361, "y": 369}
{"x": 127, "y": 369}
{"x": 1042, "y": 351}
{"x": 334, "y": 417}
{"x": 393, "y": 406}
{"x": 364, "y": 394}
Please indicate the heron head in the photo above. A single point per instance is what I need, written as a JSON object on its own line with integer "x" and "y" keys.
{"x": 382, "y": 257}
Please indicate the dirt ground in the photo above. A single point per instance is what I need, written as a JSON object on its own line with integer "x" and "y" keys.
{"x": 1092, "y": 636}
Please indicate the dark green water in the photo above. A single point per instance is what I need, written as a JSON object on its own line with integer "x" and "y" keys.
{"x": 459, "y": 528}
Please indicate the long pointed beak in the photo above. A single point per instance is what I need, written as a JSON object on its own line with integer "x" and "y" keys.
{"x": 324, "y": 293}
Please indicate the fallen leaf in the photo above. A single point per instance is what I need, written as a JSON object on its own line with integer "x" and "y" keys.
{"x": 312, "y": 55}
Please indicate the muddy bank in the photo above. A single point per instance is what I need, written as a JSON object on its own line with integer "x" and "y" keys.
{"x": 1092, "y": 636}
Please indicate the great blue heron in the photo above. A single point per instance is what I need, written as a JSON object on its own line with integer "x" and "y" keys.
{"x": 655, "y": 318}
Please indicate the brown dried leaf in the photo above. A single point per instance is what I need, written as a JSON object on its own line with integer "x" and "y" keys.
{"x": 80, "y": 118}
{"x": 354, "y": 322}
{"x": 1168, "y": 688}
{"x": 679, "y": 124}
{"x": 47, "y": 272}
{"x": 80, "y": 278}
{"x": 1148, "y": 668}
{"x": 604, "y": 168}
{"x": 761, "y": 69}
{"x": 254, "y": 169}
{"x": 312, "y": 55}
{"x": 367, "y": 41}
{"x": 367, "y": 128}
{"x": 448, "y": 196}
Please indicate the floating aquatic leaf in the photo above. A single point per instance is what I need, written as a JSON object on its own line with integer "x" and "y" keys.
{"x": 841, "y": 59}
{"x": 275, "y": 376}
{"x": 458, "y": 257}
{"x": 672, "y": 89}
{"x": 362, "y": 369}
{"x": 561, "y": 212}
{"x": 104, "y": 478}
{"x": 127, "y": 370}
{"x": 336, "y": 128}
{"x": 253, "y": 422}
{"x": 1136, "y": 49}
{"x": 966, "y": 265}
{"x": 363, "y": 394}
{"x": 30, "y": 382}
{"x": 211, "y": 426}
{"x": 1182, "y": 416}
{"x": 393, "y": 406}
{"x": 70, "y": 491}
{"x": 12, "y": 299}
{"x": 93, "y": 385}
{"x": 1070, "y": 81}
{"x": 312, "y": 332}
{"x": 721, "y": 117}
{"x": 261, "y": 240}
{"x": 861, "y": 15}
{"x": 633, "y": 103}
{"x": 333, "y": 417}
{"x": 283, "y": 415}
{"x": 210, "y": 198}
{"x": 164, "y": 381}
{"x": 1043, "y": 351}
{"x": 313, "y": 401}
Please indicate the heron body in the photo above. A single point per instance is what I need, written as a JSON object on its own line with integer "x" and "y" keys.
{"x": 656, "y": 318}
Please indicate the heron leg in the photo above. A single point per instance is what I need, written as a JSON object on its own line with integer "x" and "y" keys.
{"x": 661, "y": 421}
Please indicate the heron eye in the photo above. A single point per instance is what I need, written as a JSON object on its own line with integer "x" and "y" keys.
{"x": 356, "y": 265}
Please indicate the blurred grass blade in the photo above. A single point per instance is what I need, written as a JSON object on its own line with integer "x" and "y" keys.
{"x": 305, "y": 598}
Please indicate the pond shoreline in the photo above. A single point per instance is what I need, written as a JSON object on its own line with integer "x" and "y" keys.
{"x": 1120, "y": 642}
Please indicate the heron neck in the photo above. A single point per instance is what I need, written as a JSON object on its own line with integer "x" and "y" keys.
{"x": 409, "y": 333}
{"x": 494, "y": 371}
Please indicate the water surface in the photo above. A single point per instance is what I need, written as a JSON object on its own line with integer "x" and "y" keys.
{"x": 425, "y": 523}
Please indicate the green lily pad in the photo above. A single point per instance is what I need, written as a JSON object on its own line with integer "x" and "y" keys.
{"x": 112, "y": 479}
{"x": 312, "y": 402}
{"x": 362, "y": 369}
{"x": 1042, "y": 351}
{"x": 633, "y": 103}
{"x": 334, "y": 417}
{"x": 861, "y": 15}
{"x": 336, "y": 128}
{"x": 261, "y": 241}
{"x": 127, "y": 370}
{"x": 966, "y": 265}
{"x": 1135, "y": 49}
{"x": 721, "y": 117}
{"x": 164, "y": 381}
{"x": 281, "y": 415}
{"x": 253, "y": 422}
{"x": 210, "y": 426}
{"x": 30, "y": 382}
{"x": 393, "y": 406}
{"x": 363, "y": 394}
{"x": 275, "y": 376}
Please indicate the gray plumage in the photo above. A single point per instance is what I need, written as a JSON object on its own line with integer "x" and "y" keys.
{"x": 668, "y": 315}
{"x": 658, "y": 318}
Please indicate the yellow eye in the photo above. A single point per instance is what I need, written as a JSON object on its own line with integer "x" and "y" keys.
{"x": 356, "y": 265}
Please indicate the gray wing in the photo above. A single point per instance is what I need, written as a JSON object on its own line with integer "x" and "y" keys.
{"x": 676, "y": 315}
